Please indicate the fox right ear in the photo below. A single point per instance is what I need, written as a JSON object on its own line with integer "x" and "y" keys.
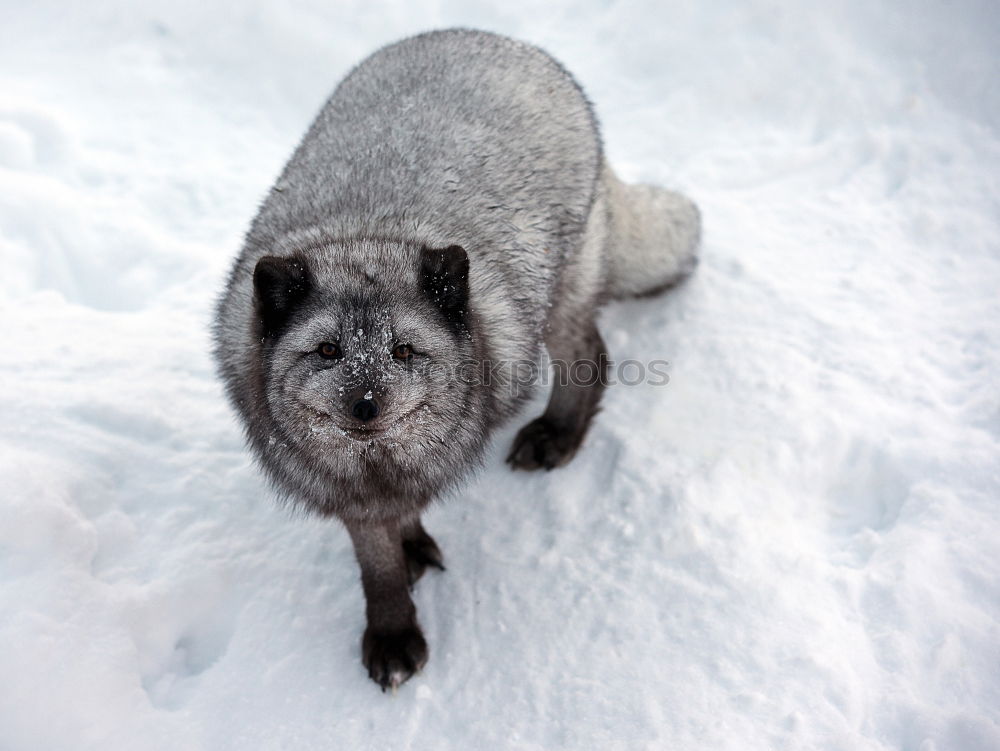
{"x": 444, "y": 276}
{"x": 280, "y": 284}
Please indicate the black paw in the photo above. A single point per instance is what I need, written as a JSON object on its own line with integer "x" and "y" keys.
{"x": 421, "y": 552}
{"x": 542, "y": 444}
{"x": 393, "y": 656}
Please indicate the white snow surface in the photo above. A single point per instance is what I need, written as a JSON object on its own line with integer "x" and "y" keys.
{"x": 794, "y": 544}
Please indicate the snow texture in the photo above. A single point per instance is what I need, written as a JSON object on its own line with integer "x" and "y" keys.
{"x": 793, "y": 544}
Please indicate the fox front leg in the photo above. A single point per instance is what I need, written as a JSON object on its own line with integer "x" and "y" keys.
{"x": 393, "y": 647}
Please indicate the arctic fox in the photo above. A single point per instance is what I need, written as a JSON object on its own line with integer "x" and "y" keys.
{"x": 448, "y": 212}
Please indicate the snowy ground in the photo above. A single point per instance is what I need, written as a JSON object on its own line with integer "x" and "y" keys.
{"x": 792, "y": 545}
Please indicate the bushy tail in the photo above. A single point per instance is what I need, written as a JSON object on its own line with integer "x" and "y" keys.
{"x": 653, "y": 237}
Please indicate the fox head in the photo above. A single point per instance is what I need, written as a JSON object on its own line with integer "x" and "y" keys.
{"x": 366, "y": 346}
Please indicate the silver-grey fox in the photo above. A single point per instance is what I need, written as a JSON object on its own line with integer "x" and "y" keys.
{"x": 449, "y": 210}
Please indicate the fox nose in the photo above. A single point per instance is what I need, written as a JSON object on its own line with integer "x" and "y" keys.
{"x": 365, "y": 409}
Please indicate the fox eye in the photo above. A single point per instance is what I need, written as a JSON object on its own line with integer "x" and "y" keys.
{"x": 402, "y": 352}
{"x": 328, "y": 351}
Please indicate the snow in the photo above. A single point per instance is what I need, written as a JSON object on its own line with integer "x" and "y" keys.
{"x": 793, "y": 544}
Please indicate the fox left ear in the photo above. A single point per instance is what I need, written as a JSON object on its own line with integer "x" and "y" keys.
{"x": 280, "y": 285}
{"x": 444, "y": 276}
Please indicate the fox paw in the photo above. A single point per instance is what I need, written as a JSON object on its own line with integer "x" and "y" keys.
{"x": 542, "y": 444}
{"x": 392, "y": 657}
{"x": 421, "y": 552}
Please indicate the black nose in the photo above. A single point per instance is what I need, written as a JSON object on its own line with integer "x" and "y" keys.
{"x": 365, "y": 410}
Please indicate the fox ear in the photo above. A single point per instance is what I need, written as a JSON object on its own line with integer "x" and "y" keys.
{"x": 444, "y": 276}
{"x": 279, "y": 284}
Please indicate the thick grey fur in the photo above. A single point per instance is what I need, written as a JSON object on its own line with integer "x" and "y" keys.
{"x": 451, "y": 195}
